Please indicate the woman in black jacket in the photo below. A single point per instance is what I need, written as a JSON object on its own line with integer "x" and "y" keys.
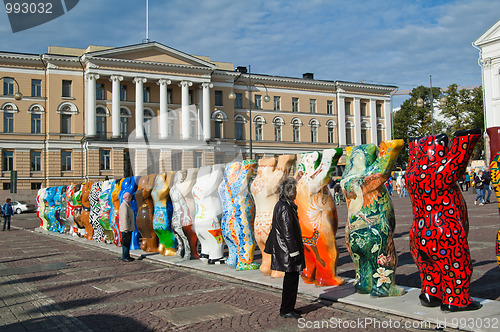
{"x": 284, "y": 244}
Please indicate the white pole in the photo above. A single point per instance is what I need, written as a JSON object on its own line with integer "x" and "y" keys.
{"x": 147, "y": 21}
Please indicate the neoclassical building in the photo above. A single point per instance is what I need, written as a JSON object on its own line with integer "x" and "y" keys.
{"x": 87, "y": 114}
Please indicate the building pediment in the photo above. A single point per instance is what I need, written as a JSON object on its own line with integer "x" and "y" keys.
{"x": 150, "y": 53}
{"x": 492, "y": 35}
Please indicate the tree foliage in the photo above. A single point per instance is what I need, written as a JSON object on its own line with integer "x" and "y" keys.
{"x": 463, "y": 110}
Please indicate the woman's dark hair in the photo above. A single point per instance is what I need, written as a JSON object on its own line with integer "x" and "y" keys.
{"x": 286, "y": 188}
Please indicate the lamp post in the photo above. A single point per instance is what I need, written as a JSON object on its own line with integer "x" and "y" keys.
{"x": 442, "y": 102}
{"x": 18, "y": 95}
{"x": 232, "y": 96}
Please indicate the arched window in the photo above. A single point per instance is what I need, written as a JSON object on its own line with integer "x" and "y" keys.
{"x": 348, "y": 133}
{"x": 149, "y": 115}
{"x": 259, "y": 122}
{"x": 36, "y": 112}
{"x": 278, "y": 124}
{"x": 66, "y": 110}
{"x": 380, "y": 133}
{"x": 101, "y": 114}
{"x": 125, "y": 115}
{"x": 239, "y": 124}
{"x": 193, "y": 120}
{"x": 314, "y": 130}
{"x": 330, "y": 125}
{"x": 364, "y": 132}
{"x": 296, "y": 124}
{"x": 218, "y": 125}
{"x": 8, "y": 110}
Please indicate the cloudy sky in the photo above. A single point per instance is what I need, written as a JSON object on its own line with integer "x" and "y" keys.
{"x": 396, "y": 42}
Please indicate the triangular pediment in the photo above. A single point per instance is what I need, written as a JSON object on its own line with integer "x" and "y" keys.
{"x": 151, "y": 52}
{"x": 493, "y": 34}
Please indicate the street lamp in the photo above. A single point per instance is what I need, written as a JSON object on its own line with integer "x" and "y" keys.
{"x": 18, "y": 95}
{"x": 442, "y": 103}
{"x": 232, "y": 96}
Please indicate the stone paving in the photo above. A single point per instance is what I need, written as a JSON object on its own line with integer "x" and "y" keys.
{"x": 53, "y": 283}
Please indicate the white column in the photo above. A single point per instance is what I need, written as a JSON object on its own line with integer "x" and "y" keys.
{"x": 387, "y": 120}
{"x": 164, "y": 108}
{"x": 139, "y": 106}
{"x": 357, "y": 121}
{"x": 185, "y": 108}
{"x": 373, "y": 120}
{"x": 91, "y": 104}
{"x": 341, "y": 120}
{"x": 115, "y": 109}
{"x": 207, "y": 133}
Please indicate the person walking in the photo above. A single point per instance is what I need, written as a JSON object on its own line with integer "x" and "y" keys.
{"x": 285, "y": 246}
{"x": 467, "y": 181}
{"x": 126, "y": 221}
{"x": 487, "y": 186}
{"x": 8, "y": 212}
{"x": 337, "y": 192}
{"x": 479, "y": 185}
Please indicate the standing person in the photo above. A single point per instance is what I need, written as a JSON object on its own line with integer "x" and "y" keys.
{"x": 467, "y": 181}
{"x": 285, "y": 246}
{"x": 126, "y": 220}
{"x": 479, "y": 185}
{"x": 8, "y": 212}
{"x": 487, "y": 186}
{"x": 461, "y": 182}
{"x": 337, "y": 192}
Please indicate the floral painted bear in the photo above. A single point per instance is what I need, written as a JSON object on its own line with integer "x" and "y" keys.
{"x": 371, "y": 221}
{"x": 438, "y": 236}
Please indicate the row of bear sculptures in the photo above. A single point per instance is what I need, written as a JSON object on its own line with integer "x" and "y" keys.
{"x": 232, "y": 205}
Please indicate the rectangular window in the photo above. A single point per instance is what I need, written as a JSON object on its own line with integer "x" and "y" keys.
{"x": 218, "y": 129}
{"x": 36, "y": 123}
{"x": 65, "y": 123}
{"x": 176, "y": 161}
{"x": 123, "y": 92}
{"x": 379, "y": 110}
{"x": 218, "y": 98}
{"x": 238, "y": 130}
{"x": 8, "y": 86}
{"x": 8, "y": 122}
{"x": 347, "y": 108}
{"x": 127, "y": 164}
{"x": 8, "y": 160}
{"x": 258, "y": 102}
{"x": 36, "y": 185}
{"x": 348, "y": 136}
{"x": 124, "y": 126}
{"x": 295, "y": 104}
{"x": 65, "y": 160}
{"x": 198, "y": 159}
{"x": 296, "y": 133}
{"x": 258, "y": 132}
{"x": 6, "y": 186}
{"x": 238, "y": 101}
{"x": 329, "y": 107}
{"x": 105, "y": 160}
{"x": 36, "y": 88}
{"x": 363, "y": 109}
{"x": 147, "y": 94}
{"x": 36, "y": 161}
{"x": 277, "y": 133}
{"x": 314, "y": 134}
{"x": 170, "y": 97}
{"x": 277, "y": 103}
{"x": 66, "y": 88}
{"x": 312, "y": 105}
{"x": 219, "y": 158}
{"x": 191, "y": 97}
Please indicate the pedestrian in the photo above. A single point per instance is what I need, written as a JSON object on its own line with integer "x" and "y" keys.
{"x": 487, "y": 186}
{"x": 467, "y": 181}
{"x": 461, "y": 182}
{"x": 479, "y": 185}
{"x": 285, "y": 246}
{"x": 337, "y": 192}
{"x": 388, "y": 185}
{"x": 126, "y": 221}
{"x": 8, "y": 212}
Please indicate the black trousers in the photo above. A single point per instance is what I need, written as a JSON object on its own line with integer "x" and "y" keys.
{"x": 289, "y": 295}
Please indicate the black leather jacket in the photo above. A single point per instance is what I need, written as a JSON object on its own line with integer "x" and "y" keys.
{"x": 284, "y": 243}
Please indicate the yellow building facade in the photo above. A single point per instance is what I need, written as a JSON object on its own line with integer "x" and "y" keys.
{"x": 78, "y": 117}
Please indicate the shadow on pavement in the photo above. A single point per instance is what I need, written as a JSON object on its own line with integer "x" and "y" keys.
{"x": 69, "y": 305}
{"x": 28, "y": 279}
{"x": 489, "y": 282}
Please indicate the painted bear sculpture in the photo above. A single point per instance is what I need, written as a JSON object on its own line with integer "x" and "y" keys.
{"x": 145, "y": 209}
{"x": 318, "y": 216}
{"x": 40, "y": 209}
{"x": 70, "y": 207}
{"x": 208, "y": 213}
{"x": 130, "y": 185}
{"x": 162, "y": 219}
{"x": 61, "y": 207}
{"x": 95, "y": 211}
{"x": 105, "y": 210}
{"x": 114, "y": 195}
{"x": 438, "y": 236}
{"x": 494, "y": 134}
{"x": 89, "y": 231}
{"x": 238, "y": 215}
{"x": 78, "y": 226}
{"x": 50, "y": 211}
{"x": 264, "y": 189}
{"x": 370, "y": 221}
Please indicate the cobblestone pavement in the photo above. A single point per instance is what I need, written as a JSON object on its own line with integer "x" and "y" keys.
{"x": 49, "y": 283}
